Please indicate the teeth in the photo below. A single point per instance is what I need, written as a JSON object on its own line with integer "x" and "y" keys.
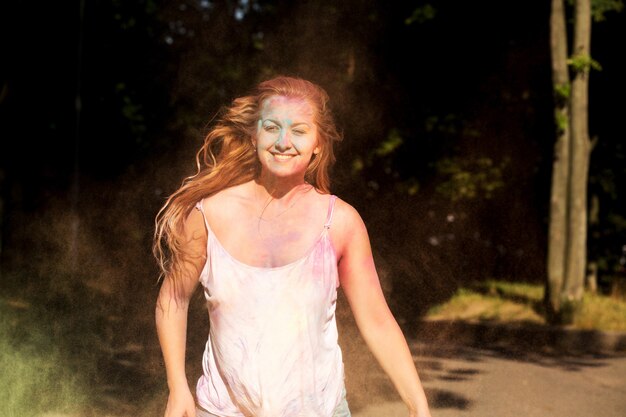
{"x": 282, "y": 157}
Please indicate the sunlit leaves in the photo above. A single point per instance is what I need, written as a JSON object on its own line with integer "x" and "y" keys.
{"x": 468, "y": 177}
{"x": 421, "y": 14}
{"x": 132, "y": 111}
{"x": 563, "y": 91}
{"x": 561, "y": 121}
{"x": 600, "y": 7}
{"x": 389, "y": 145}
{"x": 583, "y": 63}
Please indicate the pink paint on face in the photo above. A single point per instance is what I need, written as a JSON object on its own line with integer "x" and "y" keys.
{"x": 286, "y": 137}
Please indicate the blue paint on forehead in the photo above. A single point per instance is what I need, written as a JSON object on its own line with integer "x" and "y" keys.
{"x": 287, "y": 105}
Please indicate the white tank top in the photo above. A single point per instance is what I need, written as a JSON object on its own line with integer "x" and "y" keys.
{"x": 273, "y": 346}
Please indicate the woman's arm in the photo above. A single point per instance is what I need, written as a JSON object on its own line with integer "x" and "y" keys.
{"x": 375, "y": 321}
{"x": 171, "y": 318}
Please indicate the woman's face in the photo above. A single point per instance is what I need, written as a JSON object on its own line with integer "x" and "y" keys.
{"x": 286, "y": 136}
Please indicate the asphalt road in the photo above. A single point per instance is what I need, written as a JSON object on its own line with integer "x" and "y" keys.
{"x": 463, "y": 381}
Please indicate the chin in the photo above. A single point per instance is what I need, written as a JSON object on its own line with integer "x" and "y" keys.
{"x": 284, "y": 173}
{"x": 284, "y": 170}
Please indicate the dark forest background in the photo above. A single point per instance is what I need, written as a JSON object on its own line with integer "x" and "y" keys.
{"x": 445, "y": 107}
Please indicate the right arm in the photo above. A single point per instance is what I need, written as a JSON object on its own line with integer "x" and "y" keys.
{"x": 171, "y": 318}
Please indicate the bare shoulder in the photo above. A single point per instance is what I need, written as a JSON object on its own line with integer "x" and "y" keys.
{"x": 345, "y": 214}
{"x": 224, "y": 203}
{"x": 218, "y": 210}
{"x": 236, "y": 192}
{"x": 347, "y": 226}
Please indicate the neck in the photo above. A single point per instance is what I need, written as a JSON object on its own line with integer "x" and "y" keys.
{"x": 279, "y": 188}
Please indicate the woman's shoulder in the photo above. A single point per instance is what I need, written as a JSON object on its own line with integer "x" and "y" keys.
{"x": 230, "y": 194}
{"x": 346, "y": 219}
{"x": 346, "y": 211}
{"x": 225, "y": 205}
{"x": 348, "y": 229}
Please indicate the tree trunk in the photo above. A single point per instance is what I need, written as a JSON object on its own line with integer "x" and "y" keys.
{"x": 558, "y": 236}
{"x": 579, "y": 153}
{"x": 591, "y": 282}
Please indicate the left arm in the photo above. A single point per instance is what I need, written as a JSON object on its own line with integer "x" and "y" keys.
{"x": 383, "y": 336}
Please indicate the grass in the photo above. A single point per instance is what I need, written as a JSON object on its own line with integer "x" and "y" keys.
{"x": 35, "y": 377}
{"x": 507, "y": 302}
{"x": 69, "y": 351}
{"x": 602, "y": 313}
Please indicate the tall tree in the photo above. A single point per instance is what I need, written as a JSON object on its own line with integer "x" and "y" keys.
{"x": 580, "y": 149}
{"x": 567, "y": 241}
{"x": 560, "y": 167}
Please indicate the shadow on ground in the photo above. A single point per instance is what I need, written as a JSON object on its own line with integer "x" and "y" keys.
{"x": 136, "y": 377}
{"x": 435, "y": 345}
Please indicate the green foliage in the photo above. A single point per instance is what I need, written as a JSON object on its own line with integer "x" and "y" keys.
{"x": 618, "y": 221}
{"x": 600, "y": 7}
{"x": 468, "y": 178}
{"x": 257, "y": 41}
{"x": 605, "y": 180}
{"x": 381, "y": 161}
{"x": 583, "y": 63}
{"x": 383, "y": 152}
{"x": 561, "y": 120}
{"x": 35, "y": 376}
{"x": 563, "y": 91}
{"x": 357, "y": 165}
{"x": 130, "y": 17}
{"x": 607, "y": 235}
{"x": 421, "y": 14}
{"x": 389, "y": 145}
{"x": 410, "y": 186}
{"x": 446, "y": 125}
{"x": 133, "y": 113}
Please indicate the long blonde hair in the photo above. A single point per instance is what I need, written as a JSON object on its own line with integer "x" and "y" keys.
{"x": 228, "y": 158}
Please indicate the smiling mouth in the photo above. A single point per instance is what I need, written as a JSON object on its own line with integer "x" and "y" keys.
{"x": 282, "y": 156}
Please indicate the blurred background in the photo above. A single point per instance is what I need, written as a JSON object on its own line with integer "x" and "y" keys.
{"x": 447, "y": 111}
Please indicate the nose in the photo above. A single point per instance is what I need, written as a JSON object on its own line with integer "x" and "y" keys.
{"x": 283, "y": 142}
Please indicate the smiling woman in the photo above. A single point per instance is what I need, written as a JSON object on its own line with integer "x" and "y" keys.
{"x": 259, "y": 230}
{"x": 286, "y": 139}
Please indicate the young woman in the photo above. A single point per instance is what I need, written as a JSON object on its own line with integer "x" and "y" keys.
{"x": 257, "y": 227}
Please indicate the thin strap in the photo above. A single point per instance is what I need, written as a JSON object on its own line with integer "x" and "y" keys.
{"x": 331, "y": 209}
{"x": 199, "y": 207}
